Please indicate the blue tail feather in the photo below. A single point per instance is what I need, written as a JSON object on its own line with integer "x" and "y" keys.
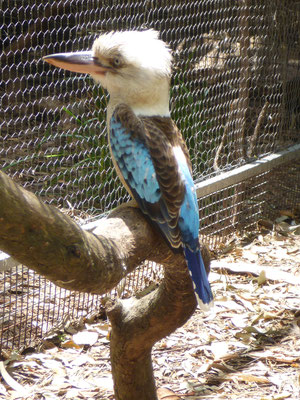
{"x": 199, "y": 276}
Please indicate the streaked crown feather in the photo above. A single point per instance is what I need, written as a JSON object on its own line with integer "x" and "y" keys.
{"x": 141, "y": 49}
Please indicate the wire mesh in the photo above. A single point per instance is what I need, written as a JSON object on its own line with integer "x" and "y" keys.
{"x": 235, "y": 96}
{"x": 32, "y": 306}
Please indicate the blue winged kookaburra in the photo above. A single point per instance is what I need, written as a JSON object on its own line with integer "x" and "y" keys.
{"x": 147, "y": 148}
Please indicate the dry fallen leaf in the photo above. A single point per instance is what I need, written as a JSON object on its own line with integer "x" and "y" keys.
{"x": 219, "y": 349}
{"x": 166, "y": 394}
{"x": 104, "y": 383}
{"x": 261, "y": 280}
{"x": 21, "y": 390}
{"x": 248, "y": 378}
{"x": 85, "y": 338}
{"x": 270, "y": 355}
{"x": 82, "y": 359}
{"x": 274, "y": 274}
{"x": 70, "y": 344}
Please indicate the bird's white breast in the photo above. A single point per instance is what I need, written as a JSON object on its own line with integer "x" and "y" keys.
{"x": 158, "y": 109}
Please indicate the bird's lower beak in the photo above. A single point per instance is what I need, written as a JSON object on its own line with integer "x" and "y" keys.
{"x": 81, "y": 61}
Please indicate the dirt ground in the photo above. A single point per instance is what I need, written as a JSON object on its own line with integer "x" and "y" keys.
{"x": 246, "y": 347}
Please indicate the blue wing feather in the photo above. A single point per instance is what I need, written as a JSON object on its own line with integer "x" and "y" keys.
{"x": 136, "y": 165}
{"x": 199, "y": 276}
{"x": 189, "y": 214}
{"x": 189, "y": 227}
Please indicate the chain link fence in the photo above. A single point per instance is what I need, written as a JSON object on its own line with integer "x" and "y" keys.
{"x": 235, "y": 96}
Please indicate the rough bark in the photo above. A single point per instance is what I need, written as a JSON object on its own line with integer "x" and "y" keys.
{"x": 47, "y": 241}
{"x": 138, "y": 323}
{"x": 52, "y": 244}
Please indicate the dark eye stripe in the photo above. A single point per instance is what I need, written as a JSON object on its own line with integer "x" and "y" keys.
{"x": 97, "y": 62}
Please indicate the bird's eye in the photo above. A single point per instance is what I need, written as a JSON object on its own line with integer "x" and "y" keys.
{"x": 116, "y": 61}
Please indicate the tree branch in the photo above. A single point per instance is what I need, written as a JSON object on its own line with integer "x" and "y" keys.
{"x": 52, "y": 244}
{"x": 138, "y": 323}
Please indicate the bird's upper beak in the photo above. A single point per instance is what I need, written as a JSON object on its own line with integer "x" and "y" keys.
{"x": 81, "y": 61}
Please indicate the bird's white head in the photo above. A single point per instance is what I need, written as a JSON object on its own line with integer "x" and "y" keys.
{"x": 134, "y": 66}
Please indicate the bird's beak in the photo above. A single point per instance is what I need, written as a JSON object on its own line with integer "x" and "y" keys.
{"x": 81, "y": 61}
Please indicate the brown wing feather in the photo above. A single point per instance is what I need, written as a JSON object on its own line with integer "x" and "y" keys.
{"x": 168, "y": 126}
{"x": 160, "y": 135}
{"x": 165, "y": 165}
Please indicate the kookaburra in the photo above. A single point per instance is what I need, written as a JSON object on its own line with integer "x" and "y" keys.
{"x": 146, "y": 146}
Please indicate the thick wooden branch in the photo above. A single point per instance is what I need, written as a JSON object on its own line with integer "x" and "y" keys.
{"x": 49, "y": 242}
{"x": 138, "y": 323}
{"x": 52, "y": 244}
